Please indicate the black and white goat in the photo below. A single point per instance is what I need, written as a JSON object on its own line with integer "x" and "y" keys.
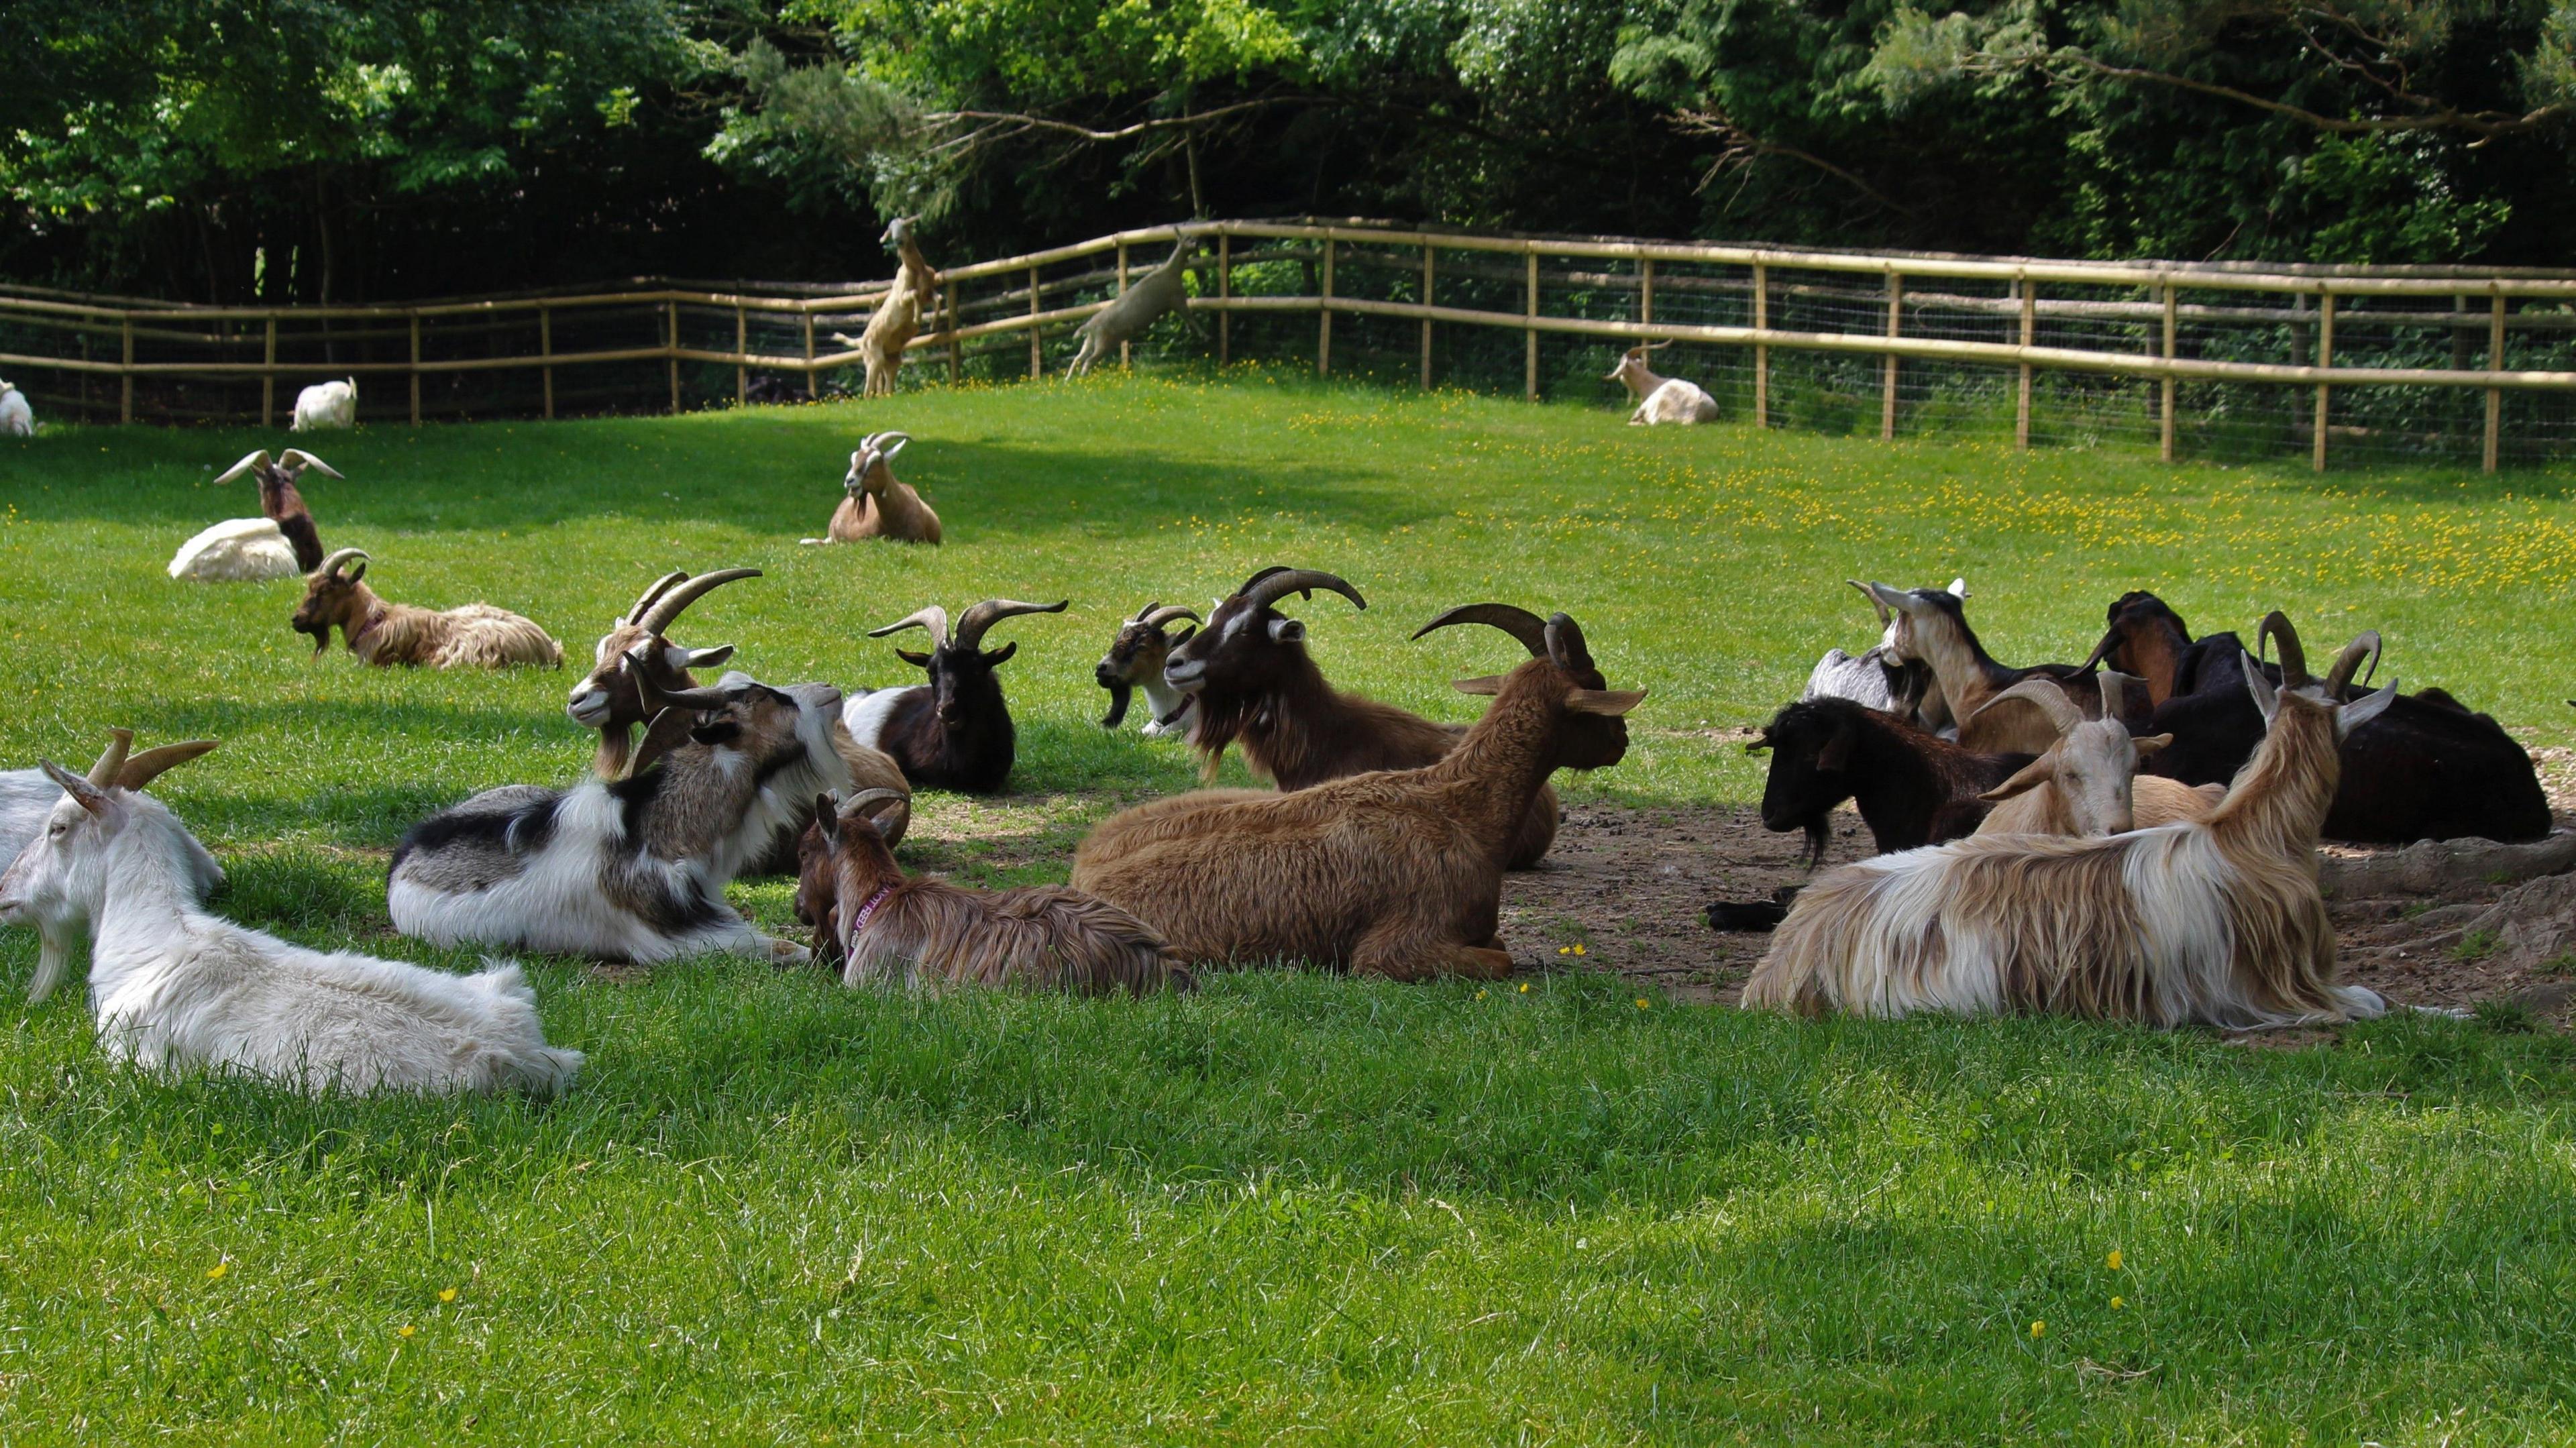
{"x": 280, "y": 543}
{"x": 955, "y": 731}
{"x": 1135, "y": 661}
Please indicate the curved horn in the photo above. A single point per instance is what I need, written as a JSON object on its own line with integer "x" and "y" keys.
{"x": 1273, "y": 585}
{"x": 2115, "y": 691}
{"x": 658, "y": 699}
{"x": 970, "y": 627}
{"x": 2294, "y": 658}
{"x": 258, "y": 459}
{"x": 296, "y": 460}
{"x": 2050, "y": 700}
{"x": 112, "y": 763}
{"x": 1148, "y": 608}
{"x": 933, "y": 618}
{"x": 1158, "y": 616}
{"x": 889, "y": 443}
{"x": 332, "y": 565}
{"x": 2364, "y": 645}
{"x": 645, "y": 599}
{"x": 671, "y": 605}
{"x": 1520, "y": 623}
{"x": 856, "y": 803}
{"x": 1565, "y": 646}
{"x": 152, "y": 763}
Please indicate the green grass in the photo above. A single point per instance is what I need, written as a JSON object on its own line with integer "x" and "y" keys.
{"x": 1293, "y": 1206}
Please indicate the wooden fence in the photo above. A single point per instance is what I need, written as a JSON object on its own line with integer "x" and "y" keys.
{"x": 2374, "y": 351}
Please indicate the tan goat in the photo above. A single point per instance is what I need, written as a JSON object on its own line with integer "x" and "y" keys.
{"x": 877, "y": 503}
{"x": 2088, "y": 782}
{"x": 476, "y": 634}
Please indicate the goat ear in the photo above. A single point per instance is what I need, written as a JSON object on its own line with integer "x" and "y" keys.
{"x": 2151, "y": 744}
{"x": 1836, "y": 755}
{"x": 2029, "y": 777}
{"x": 705, "y": 658}
{"x": 89, "y": 796}
{"x": 918, "y": 661}
{"x": 2267, "y": 697}
{"x": 1958, "y": 588}
{"x": 2364, "y": 709}
{"x": 1287, "y": 631}
{"x": 994, "y": 658}
{"x": 1185, "y": 635}
{"x": 721, "y": 731}
{"x": 1489, "y": 684}
{"x": 1609, "y": 703}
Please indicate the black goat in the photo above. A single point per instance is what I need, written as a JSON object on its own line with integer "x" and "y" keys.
{"x": 1913, "y": 789}
{"x": 955, "y": 731}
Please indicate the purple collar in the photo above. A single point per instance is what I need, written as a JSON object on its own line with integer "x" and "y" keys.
{"x": 867, "y": 912}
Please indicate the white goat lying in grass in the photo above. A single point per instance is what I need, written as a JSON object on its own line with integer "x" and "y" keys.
{"x": 173, "y": 986}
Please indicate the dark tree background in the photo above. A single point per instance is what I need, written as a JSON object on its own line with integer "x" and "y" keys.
{"x": 232, "y": 150}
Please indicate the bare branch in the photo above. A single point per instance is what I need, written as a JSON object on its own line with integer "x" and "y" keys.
{"x": 2486, "y": 125}
{"x": 1017, "y": 123}
{"x": 1740, "y": 148}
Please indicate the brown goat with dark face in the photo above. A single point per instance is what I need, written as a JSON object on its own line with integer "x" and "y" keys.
{"x": 880, "y": 928}
{"x": 1252, "y": 682}
{"x": 1395, "y": 873}
{"x": 1135, "y": 660}
{"x": 877, "y": 503}
{"x": 280, "y": 503}
{"x": 475, "y": 634}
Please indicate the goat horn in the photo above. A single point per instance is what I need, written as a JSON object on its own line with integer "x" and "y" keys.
{"x": 2115, "y": 691}
{"x": 2365, "y": 645}
{"x": 970, "y": 628}
{"x": 933, "y": 618}
{"x": 112, "y": 763}
{"x": 1157, "y": 616}
{"x": 1565, "y": 646}
{"x": 2294, "y": 659}
{"x": 152, "y": 763}
{"x": 1272, "y": 585}
{"x": 645, "y": 599}
{"x": 658, "y": 699}
{"x": 2047, "y": 697}
{"x": 2101, "y": 651}
{"x": 258, "y": 459}
{"x": 332, "y": 565}
{"x": 667, "y": 609}
{"x": 854, "y": 804}
{"x": 1520, "y": 623}
{"x": 296, "y": 460}
{"x": 1149, "y": 608}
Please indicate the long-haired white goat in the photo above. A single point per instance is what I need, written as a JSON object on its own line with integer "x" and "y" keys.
{"x": 27, "y": 800}
{"x": 173, "y": 986}
{"x": 2217, "y": 922}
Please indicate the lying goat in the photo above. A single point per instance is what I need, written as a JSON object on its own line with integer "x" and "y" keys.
{"x": 877, "y": 504}
{"x": 1395, "y": 873}
{"x": 1660, "y": 399}
{"x": 1912, "y": 788}
{"x": 635, "y": 869}
{"x": 1877, "y": 678}
{"x": 174, "y": 987}
{"x": 326, "y": 405}
{"x": 17, "y": 419}
{"x": 27, "y": 800}
{"x": 2088, "y": 782}
{"x": 280, "y": 543}
{"x": 881, "y": 928}
{"x": 2217, "y": 923}
{"x": 954, "y": 732}
{"x": 384, "y": 634}
{"x": 1135, "y": 660}
{"x": 1930, "y": 625}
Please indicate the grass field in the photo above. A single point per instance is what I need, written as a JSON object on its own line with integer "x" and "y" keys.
{"x": 1293, "y": 1206}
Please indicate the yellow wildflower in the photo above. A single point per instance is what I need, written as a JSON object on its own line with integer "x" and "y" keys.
{"x": 2118, "y": 1302}
{"x": 216, "y": 1272}
{"x": 2039, "y": 1329}
{"x": 2113, "y": 1261}
{"x": 405, "y": 1330}
{"x": 448, "y": 1294}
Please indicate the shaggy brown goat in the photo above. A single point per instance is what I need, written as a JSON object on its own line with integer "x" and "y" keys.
{"x": 877, "y": 504}
{"x": 881, "y": 928}
{"x": 1396, "y": 873}
{"x": 608, "y": 699}
{"x": 1135, "y": 660}
{"x": 1252, "y": 682}
{"x": 397, "y": 633}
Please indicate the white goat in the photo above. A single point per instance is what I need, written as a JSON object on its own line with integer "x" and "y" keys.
{"x": 17, "y": 419}
{"x": 332, "y": 405}
{"x": 2089, "y": 783}
{"x": 1144, "y": 302}
{"x": 1660, "y": 399}
{"x": 174, "y": 987}
{"x": 280, "y": 543}
{"x": 27, "y": 800}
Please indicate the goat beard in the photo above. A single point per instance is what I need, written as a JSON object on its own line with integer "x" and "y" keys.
{"x": 320, "y": 634}
{"x": 1119, "y": 695}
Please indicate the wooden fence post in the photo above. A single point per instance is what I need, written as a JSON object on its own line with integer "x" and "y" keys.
{"x": 546, "y": 351}
{"x": 1895, "y": 325}
{"x": 415, "y": 369}
{"x": 1324, "y": 316}
{"x": 2029, "y": 290}
{"x": 673, "y": 358}
{"x": 1646, "y": 292}
{"x": 741, "y": 356}
{"x": 2165, "y": 413}
{"x": 125, "y": 403}
{"x": 1427, "y": 265}
{"x": 1037, "y": 365}
{"x": 1126, "y": 354}
{"x": 1761, "y": 350}
{"x": 1529, "y": 366}
{"x": 268, "y": 378}
{"x": 956, "y": 347}
{"x": 2495, "y": 395}
{"x": 1224, "y": 293}
{"x": 2325, "y": 358}
{"x": 813, "y": 386}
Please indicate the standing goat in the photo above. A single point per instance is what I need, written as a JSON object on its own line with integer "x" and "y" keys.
{"x": 384, "y": 634}
{"x": 17, "y": 419}
{"x": 1660, "y": 399}
{"x": 1135, "y": 660}
{"x": 1396, "y": 873}
{"x": 881, "y": 928}
{"x": 876, "y": 503}
{"x": 955, "y": 731}
{"x": 913, "y": 294}
{"x": 27, "y": 800}
{"x": 326, "y": 405}
{"x": 174, "y": 987}
{"x": 2088, "y": 782}
{"x": 633, "y": 869}
{"x": 1252, "y": 682}
{"x": 281, "y": 543}
{"x": 1133, "y": 310}
{"x": 2218, "y": 922}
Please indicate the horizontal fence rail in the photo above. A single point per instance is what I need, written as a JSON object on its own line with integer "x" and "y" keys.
{"x": 2227, "y": 359}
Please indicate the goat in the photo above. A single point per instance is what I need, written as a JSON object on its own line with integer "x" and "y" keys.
{"x": 1396, "y": 872}
{"x": 27, "y": 800}
{"x": 1128, "y": 314}
{"x": 1660, "y": 399}
{"x": 174, "y": 987}
{"x": 1930, "y": 625}
{"x": 281, "y": 543}
{"x": 1252, "y": 682}
{"x": 1135, "y": 659}
{"x": 955, "y": 731}
{"x": 877, "y": 504}
{"x": 2426, "y": 769}
{"x": 2088, "y": 781}
{"x": 881, "y": 928}
{"x": 332, "y": 405}
{"x": 1902, "y": 687}
{"x": 17, "y": 419}
{"x": 1912, "y": 787}
{"x": 888, "y": 336}
{"x": 2218, "y": 922}
{"x": 632, "y": 869}
{"x": 385, "y": 634}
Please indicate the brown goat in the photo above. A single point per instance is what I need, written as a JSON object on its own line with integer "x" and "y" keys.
{"x": 384, "y": 634}
{"x": 877, "y": 503}
{"x": 1395, "y": 873}
{"x": 1252, "y": 682}
{"x": 882, "y": 928}
{"x": 608, "y": 698}
{"x": 897, "y": 319}
{"x": 1931, "y": 626}
{"x": 280, "y": 503}
{"x": 1135, "y": 660}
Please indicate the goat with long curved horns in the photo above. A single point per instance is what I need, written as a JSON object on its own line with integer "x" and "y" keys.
{"x": 280, "y": 543}
{"x": 638, "y": 645}
{"x": 876, "y": 503}
{"x": 955, "y": 731}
